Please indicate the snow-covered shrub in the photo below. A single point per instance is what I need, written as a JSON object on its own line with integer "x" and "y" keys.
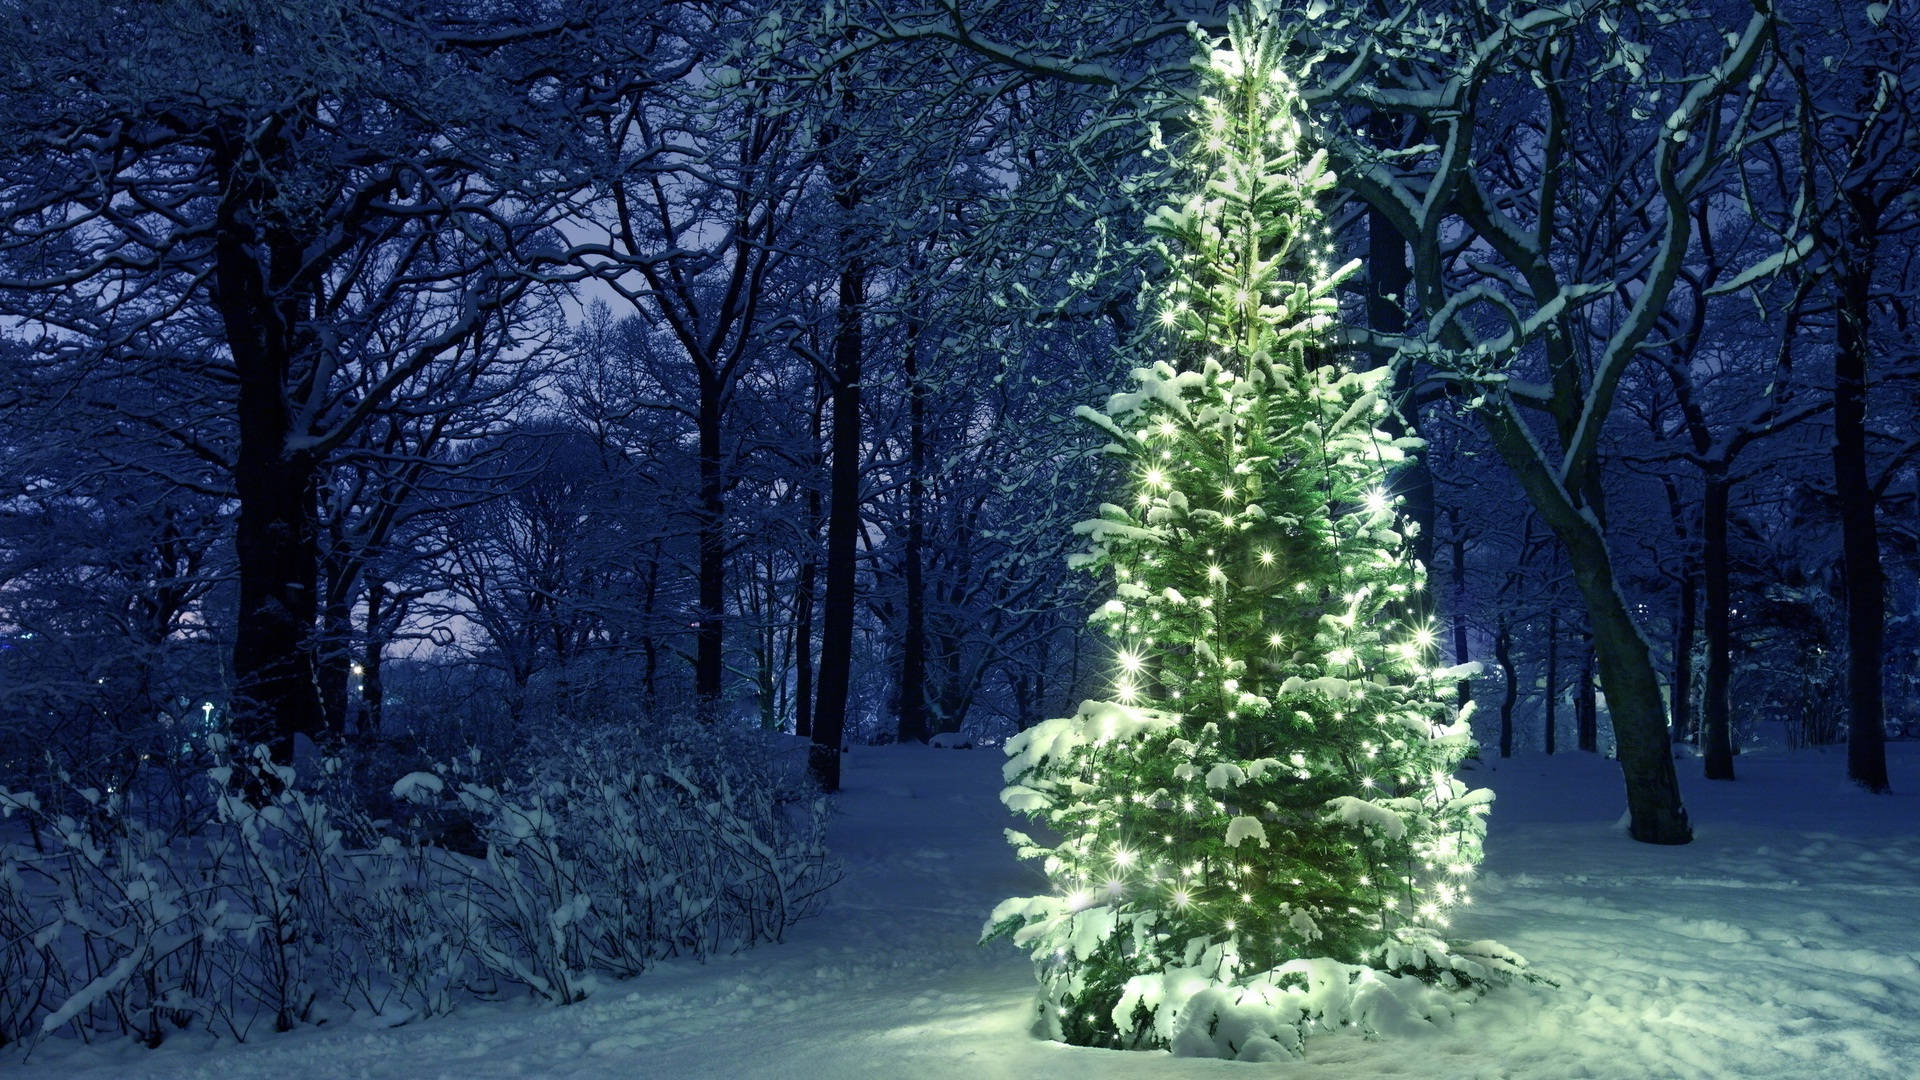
{"x": 731, "y": 817}
{"x": 273, "y": 859}
{"x": 29, "y": 965}
{"x": 521, "y": 906}
{"x": 624, "y": 850}
{"x": 413, "y": 961}
{"x": 600, "y": 860}
{"x": 120, "y": 935}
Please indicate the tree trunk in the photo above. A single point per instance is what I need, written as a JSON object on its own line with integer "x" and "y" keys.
{"x": 1717, "y": 708}
{"x": 803, "y": 646}
{"x": 1621, "y": 653}
{"x": 1553, "y": 681}
{"x": 806, "y": 589}
{"x": 1687, "y": 618}
{"x": 913, "y": 646}
{"x": 276, "y": 542}
{"x": 709, "y": 664}
{"x": 769, "y": 703}
{"x": 649, "y": 644}
{"x": 843, "y": 527}
{"x": 334, "y": 656}
{"x": 1503, "y": 655}
{"x": 1458, "y": 551}
{"x": 373, "y": 689}
{"x": 1657, "y": 815}
{"x": 1860, "y": 538}
{"x": 1029, "y": 714}
{"x": 1686, "y": 627}
{"x": 953, "y": 697}
{"x": 1389, "y": 281}
{"x": 1586, "y": 710}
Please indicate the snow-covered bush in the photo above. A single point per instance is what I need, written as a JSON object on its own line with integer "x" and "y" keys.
{"x": 600, "y": 861}
{"x": 684, "y": 841}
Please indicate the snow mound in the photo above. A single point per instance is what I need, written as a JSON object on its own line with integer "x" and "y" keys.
{"x": 419, "y": 787}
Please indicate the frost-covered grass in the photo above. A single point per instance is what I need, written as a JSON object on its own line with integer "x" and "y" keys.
{"x": 1781, "y": 943}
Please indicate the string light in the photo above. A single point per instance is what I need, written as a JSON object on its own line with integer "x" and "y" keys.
{"x": 1210, "y": 825}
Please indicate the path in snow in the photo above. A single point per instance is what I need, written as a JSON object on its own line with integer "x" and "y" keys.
{"x": 1781, "y": 943}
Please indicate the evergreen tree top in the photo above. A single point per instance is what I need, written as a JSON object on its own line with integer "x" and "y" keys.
{"x": 1251, "y": 277}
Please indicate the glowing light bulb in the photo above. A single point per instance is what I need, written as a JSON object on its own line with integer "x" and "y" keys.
{"x": 1265, "y": 556}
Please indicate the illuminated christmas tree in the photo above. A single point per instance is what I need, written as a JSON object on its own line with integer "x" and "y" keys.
{"x": 1259, "y": 830}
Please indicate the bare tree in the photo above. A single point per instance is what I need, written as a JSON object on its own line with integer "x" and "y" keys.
{"x": 298, "y": 171}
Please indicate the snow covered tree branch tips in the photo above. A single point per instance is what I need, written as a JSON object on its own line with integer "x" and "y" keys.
{"x": 1259, "y": 830}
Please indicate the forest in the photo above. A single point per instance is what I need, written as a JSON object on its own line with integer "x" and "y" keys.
{"x": 498, "y": 459}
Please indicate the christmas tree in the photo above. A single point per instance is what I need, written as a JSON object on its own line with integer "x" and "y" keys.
{"x": 1259, "y": 830}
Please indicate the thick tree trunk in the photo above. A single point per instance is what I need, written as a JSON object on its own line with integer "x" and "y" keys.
{"x": 1717, "y": 707}
{"x": 276, "y": 543}
{"x": 275, "y": 694}
{"x": 709, "y": 663}
{"x": 1633, "y": 697}
{"x": 1859, "y": 532}
{"x": 843, "y": 527}
{"x": 1586, "y": 709}
{"x": 1621, "y": 653}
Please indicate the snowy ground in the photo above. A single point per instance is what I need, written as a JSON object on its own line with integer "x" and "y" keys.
{"x": 1784, "y": 942}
